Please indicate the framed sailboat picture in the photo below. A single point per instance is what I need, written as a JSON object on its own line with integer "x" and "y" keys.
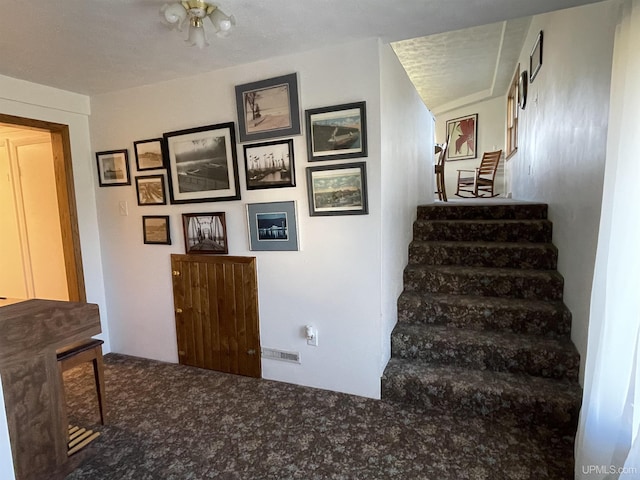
{"x": 269, "y": 165}
{"x": 337, "y": 132}
{"x": 205, "y": 233}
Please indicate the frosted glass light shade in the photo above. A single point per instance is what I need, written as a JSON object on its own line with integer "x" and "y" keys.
{"x": 197, "y": 36}
{"x": 174, "y": 15}
{"x": 222, "y": 22}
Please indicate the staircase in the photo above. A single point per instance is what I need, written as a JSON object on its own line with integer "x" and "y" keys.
{"x": 482, "y": 329}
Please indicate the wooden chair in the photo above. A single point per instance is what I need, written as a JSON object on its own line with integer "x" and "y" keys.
{"x": 483, "y": 178}
{"x": 81, "y": 352}
{"x": 441, "y": 189}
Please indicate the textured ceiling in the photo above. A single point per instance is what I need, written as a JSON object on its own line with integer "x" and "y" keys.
{"x": 94, "y": 46}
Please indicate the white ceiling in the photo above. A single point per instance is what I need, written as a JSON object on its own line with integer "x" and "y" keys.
{"x": 96, "y": 46}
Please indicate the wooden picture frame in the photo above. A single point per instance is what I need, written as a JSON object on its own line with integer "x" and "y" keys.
{"x": 269, "y": 165}
{"x": 462, "y": 133}
{"x": 337, "y": 132}
{"x": 337, "y": 189}
{"x": 202, "y": 164}
{"x": 205, "y": 233}
{"x": 113, "y": 168}
{"x": 149, "y": 154}
{"x": 535, "y": 59}
{"x": 268, "y": 108}
{"x": 150, "y": 190}
{"x": 273, "y": 226}
{"x": 156, "y": 230}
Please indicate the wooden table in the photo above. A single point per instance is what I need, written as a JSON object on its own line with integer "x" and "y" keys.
{"x": 30, "y": 333}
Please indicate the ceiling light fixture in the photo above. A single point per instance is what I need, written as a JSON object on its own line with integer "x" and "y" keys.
{"x": 195, "y": 11}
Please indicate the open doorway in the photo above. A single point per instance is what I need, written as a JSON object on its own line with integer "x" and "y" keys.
{"x": 38, "y": 186}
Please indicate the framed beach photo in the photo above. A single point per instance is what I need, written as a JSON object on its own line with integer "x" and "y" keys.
{"x": 155, "y": 229}
{"x": 150, "y": 190}
{"x": 337, "y": 189}
{"x": 337, "y": 132}
{"x": 113, "y": 168}
{"x": 269, "y": 165}
{"x": 268, "y": 108}
{"x": 202, "y": 165}
{"x": 462, "y": 133}
{"x": 149, "y": 154}
{"x": 205, "y": 232}
{"x": 273, "y": 226}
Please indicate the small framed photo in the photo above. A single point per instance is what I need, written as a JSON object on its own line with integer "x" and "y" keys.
{"x": 273, "y": 226}
{"x": 269, "y": 165}
{"x": 462, "y": 133}
{"x": 150, "y": 190}
{"x": 113, "y": 168}
{"x": 149, "y": 154}
{"x": 202, "y": 164}
{"x": 268, "y": 108}
{"x": 337, "y": 132}
{"x": 155, "y": 229}
{"x": 535, "y": 59}
{"x": 337, "y": 189}
{"x": 205, "y": 232}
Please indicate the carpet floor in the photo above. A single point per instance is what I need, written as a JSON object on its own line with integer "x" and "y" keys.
{"x": 167, "y": 421}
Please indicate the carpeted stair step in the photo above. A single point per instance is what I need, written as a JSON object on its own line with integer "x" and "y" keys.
{"x": 485, "y": 254}
{"x": 478, "y": 211}
{"x": 532, "y": 317}
{"x": 486, "y": 350}
{"x": 534, "y": 400}
{"x": 483, "y": 230}
{"x": 493, "y": 282}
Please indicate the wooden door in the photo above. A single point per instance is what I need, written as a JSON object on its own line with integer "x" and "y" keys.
{"x": 216, "y": 305}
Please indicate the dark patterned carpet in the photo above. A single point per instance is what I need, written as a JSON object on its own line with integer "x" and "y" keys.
{"x": 168, "y": 421}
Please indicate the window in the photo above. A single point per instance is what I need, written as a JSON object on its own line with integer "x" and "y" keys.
{"x": 512, "y": 115}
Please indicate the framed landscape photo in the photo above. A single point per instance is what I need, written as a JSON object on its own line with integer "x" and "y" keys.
{"x": 273, "y": 226}
{"x": 535, "y": 59}
{"x": 155, "y": 229}
{"x": 337, "y": 132}
{"x": 268, "y": 108}
{"x": 337, "y": 189}
{"x": 462, "y": 133}
{"x": 205, "y": 232}
{"x": 269, "y": 165}
{"x": 149, "y": 154}
{"x": 150, "y": 190}
{"x": 202, "y": 165}
{"x": 113, "y": 168}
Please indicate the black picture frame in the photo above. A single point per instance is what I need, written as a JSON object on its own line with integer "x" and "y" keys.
{"x": 269, "y": 165}
{"x": 202, "y": 164}
{"x": 337, "y": 132}
{"x": 535, "y": 59}
{"x": 150, "y": 190}
{"x": 113, "y": 168}
{"x": 156, "y": 230}
{"x": 337, "y": 189}
{"x": 149, "y": 154}
{"x": 273, "y": 226}
{"x": 523, "y": 83}
{"x": 280, "y": 114}
{"x": 205, "y": 233}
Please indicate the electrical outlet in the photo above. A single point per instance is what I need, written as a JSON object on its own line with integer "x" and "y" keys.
{"x": 124, "y": 208}
{"x": 311, "y": 334}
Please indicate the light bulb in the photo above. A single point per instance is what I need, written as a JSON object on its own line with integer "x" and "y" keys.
{"x": 174, "y": 15}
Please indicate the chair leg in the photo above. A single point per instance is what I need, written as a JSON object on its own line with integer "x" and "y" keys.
{"x": 98, "y": 373}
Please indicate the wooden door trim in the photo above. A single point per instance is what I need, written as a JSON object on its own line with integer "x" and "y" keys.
{"x": 62, "y": 162}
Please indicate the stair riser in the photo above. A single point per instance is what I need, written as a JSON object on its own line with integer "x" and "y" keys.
{"x": 542, "y": 257}
{"x": 482, "y": 212}
{"x": 558, "y": 364}
{"x": 526, "y": 231}
{"x": 548, "y": 322}
{"x": 477, "y": 283}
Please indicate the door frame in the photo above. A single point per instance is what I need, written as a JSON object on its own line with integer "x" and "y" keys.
{"x": 63, "y": 168}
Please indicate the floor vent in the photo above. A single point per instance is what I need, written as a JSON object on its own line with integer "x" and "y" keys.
{"x": 273, "y": 354}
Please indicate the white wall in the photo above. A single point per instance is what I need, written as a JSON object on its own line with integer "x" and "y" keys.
{"x": 562, "y": 141}
{"x": 407, "y": 179}
{"x": 491, "y": 137}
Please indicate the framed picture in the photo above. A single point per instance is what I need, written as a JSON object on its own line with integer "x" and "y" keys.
{"x": 273, "y": 226}
{"x": 535, "y": 59}
{"x": 268, "y": 108}
{"x": 269, "y": 165}
{"x": 523, "y": 82}
{"x": 202, "y": 164}
{"x": 113, "y": 168}
{"x": 463, "y": 137}
{"x": 205, "y": 232}
{"x": 337, "y": 132}
{"x": 150, "y": 190}
{"x": 337, "y": 189}
{"x": 155, "y": 229}
{"x": 149, "y": 154}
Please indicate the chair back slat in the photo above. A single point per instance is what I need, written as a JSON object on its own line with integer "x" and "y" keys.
{"x": 489, "y": 163}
